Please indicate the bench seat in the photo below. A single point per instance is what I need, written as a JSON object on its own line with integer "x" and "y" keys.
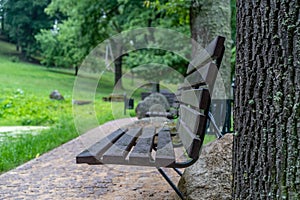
{"x": 137, "y": 146}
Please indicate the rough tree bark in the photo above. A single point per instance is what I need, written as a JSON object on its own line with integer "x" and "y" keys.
{"x": 266, "y": 158}
{"x": 207, "y": 20}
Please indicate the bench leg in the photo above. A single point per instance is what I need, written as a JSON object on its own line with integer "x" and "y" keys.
{"x": 161, "y": 171}
{"x": 178, "y": 171}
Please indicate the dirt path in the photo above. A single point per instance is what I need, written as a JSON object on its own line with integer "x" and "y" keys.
{"x": 55, "y": 175}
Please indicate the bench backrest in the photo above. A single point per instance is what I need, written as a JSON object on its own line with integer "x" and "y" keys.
{"x": 195, "y": 96}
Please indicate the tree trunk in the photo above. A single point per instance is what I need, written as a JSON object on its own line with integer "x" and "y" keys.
{"x": 118, "y": 72}
{"x": 18, "y": 46}
{"x": 76, "y": 70}
{"x": 155, "y": 87}
{"x": 2, "y": 23}
{"x": 207, "y": 20}
{"x": 117, "y": 49}
{"x": 266, "y": 156}
{"x": 2, "y": 17}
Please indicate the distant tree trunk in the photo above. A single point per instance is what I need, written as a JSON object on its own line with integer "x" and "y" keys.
{"x": 118, "y": 72}
{"x": 18, "y": 46}
{"x": 209, "y": 18}
{"x": 155, "y": 87}
{"x": 2, "y": 16}
{"x": 2, "y": 23}
{"x": 18, "y": 43}
{"x": 117, "y": 49}
{"x": 266, "y": 154}
{"x": 76, "y": 70}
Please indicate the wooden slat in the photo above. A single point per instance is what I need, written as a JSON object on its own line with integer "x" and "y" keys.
{"x": 203, "y": 76}
{"x": 193, "y": 119}
{"x": 87, "y": 157}
{"x": 190, "y": 141}
{"x": 198, "y": 98}
{"x": 165, "y": 154}
{"x": 117, "y": 153}
{"x": 141, "y": 153}
{"x": 93, "y": 154}
{"x": 213, "y": 51}
{"x": 209, "y": 72}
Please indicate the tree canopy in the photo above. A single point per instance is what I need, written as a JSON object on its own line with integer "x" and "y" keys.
{"x": 84, "y": 24}
{"x": 23, "y": 20}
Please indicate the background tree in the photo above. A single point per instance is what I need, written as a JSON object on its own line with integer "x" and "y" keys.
{"x": 124, "y": 15}
{"x": 94, "y": 21}
{"x": 24, "y": 19}
{"x": 63, "y": 45}
{"x": 207, "y": 20}
{"x": 155, "y": 65}
{"x": 266, "y": 157}
{"x": 2, "y": 16}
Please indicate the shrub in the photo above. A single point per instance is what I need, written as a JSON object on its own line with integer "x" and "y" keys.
{"x": 26, "y": 109}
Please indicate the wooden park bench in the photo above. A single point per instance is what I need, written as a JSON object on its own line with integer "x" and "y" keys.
{"x": 151, "y": 147}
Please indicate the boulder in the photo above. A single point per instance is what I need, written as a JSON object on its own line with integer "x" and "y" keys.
{"x": 55, "y": 95}
{"x": 210, "y": 177}
{"x": 155, "y": 101}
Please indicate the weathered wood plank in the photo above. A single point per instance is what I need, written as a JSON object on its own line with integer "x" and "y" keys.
{"x": 198, "y": 98}
{"x": 94, "y": 153}
{"x": 87, "y": 157}
{"x": 141, "y": 153}
{"x": 165, "y": 154}
{"x": 203, "y": 76}
{"x": 190, "y": 141}
{"x": 117, "y": 153}
{"x": 213, "y": 51}
{"x": 193, "y": 119}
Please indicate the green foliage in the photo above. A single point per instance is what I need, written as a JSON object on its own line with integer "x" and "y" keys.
{"x": 179, "y": 8}
{"x": 90, "y": 22}
{"x": 14, "y": 59}
{"x": 20, "y": 108}
{"x": 153, "y": 64}
{"x": 23, "y": 19}
{"x": 62, "y": 49}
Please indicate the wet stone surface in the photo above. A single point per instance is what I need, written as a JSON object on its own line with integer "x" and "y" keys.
{"x": 55, "y": 175}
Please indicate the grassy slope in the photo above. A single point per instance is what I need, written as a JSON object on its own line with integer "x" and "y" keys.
{"x": 32, "y": 78}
